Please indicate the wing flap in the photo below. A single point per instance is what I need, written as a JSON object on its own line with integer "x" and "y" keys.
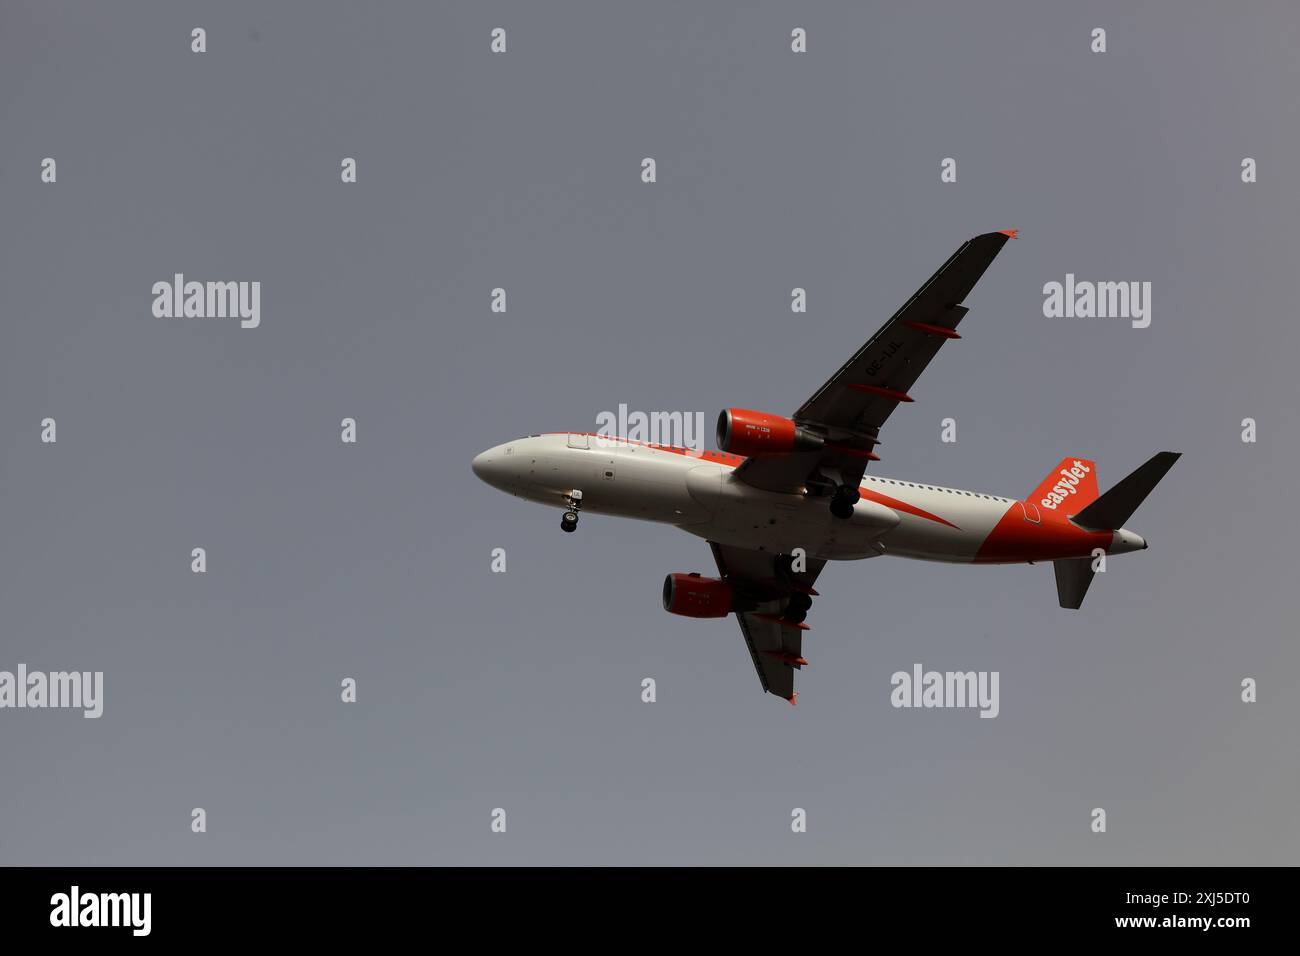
{"x": 766, "y": 581}
{"x": 774, "y": 648}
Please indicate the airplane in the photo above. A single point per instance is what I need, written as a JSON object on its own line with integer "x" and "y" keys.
{"x": 786, "y": 495}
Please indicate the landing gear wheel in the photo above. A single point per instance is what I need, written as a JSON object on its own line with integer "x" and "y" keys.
{"x": 800, "y": 601}
{"x": 842, "y": 502}
{"x": 569, "y": 523}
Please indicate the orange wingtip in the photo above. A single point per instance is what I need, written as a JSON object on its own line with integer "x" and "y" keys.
{"x": 1010, "y": 232}
{"x": 793, "y": 698}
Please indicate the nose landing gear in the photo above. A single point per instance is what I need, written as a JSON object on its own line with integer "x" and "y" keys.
{"x": 569, "y": 523}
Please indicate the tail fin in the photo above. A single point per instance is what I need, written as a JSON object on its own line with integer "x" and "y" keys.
{"x": 1111, "y": 510}
{"x": 1067, "y": 489}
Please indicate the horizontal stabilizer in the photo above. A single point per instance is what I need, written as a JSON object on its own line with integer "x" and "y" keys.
{"x": 1111, "y": 510}
{"x": 1073, "y": 575}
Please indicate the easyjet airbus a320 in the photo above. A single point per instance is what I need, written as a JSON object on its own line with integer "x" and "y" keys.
{"x": 786, "y": 495}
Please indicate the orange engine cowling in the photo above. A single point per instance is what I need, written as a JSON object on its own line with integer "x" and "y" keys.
{"x": 742, "y": 431}
{"x": 693, "y": 596}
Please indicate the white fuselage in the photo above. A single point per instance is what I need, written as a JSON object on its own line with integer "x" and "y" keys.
{"x": 696, "y": 491}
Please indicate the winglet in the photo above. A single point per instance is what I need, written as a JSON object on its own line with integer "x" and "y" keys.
{"x": 1010, "y": 233}
{"x": 793, "y": 698}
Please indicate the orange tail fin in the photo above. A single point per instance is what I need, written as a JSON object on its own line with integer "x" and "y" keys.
{"x": 1068, "y": 488}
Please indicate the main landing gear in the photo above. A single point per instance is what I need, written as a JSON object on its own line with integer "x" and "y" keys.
{"x": 842, "y": 502}
{"x": 798, "y": 603}
{"x": 569, "y": 523}
{"x": 796, "y": 609}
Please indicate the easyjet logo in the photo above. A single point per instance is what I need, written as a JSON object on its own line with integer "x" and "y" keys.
{"x": 1067, "y": 486}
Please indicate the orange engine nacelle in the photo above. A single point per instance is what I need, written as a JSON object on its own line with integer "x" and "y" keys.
{"x": 693, "y": 596}
{"x": 742, "y": 431}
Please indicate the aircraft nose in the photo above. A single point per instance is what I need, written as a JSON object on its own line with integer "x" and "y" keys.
{"x": 490, "y": 467}
{"x": 482, "y": 465}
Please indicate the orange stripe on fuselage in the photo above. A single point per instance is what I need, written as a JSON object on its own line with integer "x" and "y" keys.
{"x": 735, "y": 461}
{"x": 902, "y": 506}
{"x": 1014, "y": 539}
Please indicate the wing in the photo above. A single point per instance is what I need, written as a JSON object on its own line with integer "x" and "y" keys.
{"x": 766, "y": 582}
{"x": 855, "y": 402}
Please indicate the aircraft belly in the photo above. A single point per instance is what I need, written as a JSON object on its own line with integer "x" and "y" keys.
{"x": 956, "y": 541}
{"x": 749, "y": 517}
{"x": 642, "y": 484}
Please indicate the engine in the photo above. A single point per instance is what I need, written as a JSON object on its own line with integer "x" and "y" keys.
{"x": 742, "y": 431}
{"x": 693, "y": 596}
